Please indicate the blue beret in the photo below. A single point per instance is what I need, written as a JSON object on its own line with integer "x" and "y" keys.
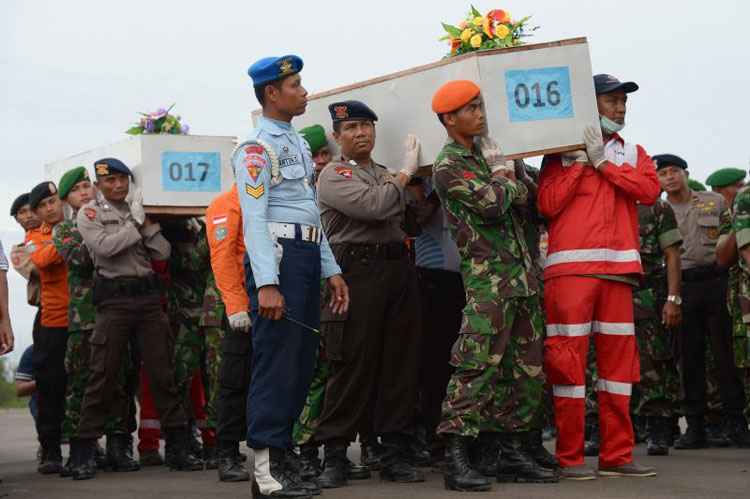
{"x": 665, "y": 160}
{"x": 725, "y": 177}
{"x": 110, "y": 166}
{"x": 351, "y": 110}
{"x": 271, "y": 69}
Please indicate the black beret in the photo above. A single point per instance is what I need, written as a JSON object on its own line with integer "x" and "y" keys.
{"x": 110, "y": 166}
{"x": 41, "y": 192}
{"x": 351, "y": 110}
{"x": 19, "y": 203}
{"x": 665, "y": 160}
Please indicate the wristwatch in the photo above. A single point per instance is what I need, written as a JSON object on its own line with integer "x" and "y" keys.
{"x": 676, "y": 299}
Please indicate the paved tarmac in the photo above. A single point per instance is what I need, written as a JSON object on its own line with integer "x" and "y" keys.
{"x": 712, "y": 473}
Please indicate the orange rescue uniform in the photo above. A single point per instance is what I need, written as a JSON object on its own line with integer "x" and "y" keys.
{"x": 53, "y": 275}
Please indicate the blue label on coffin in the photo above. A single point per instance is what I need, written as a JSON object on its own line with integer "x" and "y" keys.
{"x": 539, "y": 94}
{"x": 190, "y": 171}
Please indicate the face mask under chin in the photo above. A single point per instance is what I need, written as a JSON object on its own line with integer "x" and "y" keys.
{"x": 610, "y": 126}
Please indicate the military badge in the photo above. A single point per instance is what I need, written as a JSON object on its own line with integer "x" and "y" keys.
{"x": 52, "y": 188}
{"x": 220, "y": 233}
{"x": 344, "y": 171}
{"x": 255, "y": 191}
{"x": 102, "y": 169}
{"x": 90, "y": 213}
{"x": 342, "y": 112}
{"x": 713, "y": 233}
{"x": 285, "y": 67}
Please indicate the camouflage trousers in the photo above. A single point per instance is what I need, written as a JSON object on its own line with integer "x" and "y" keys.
{"x": 77, "y": 362}
{"x": 212, "y": 337}
{"x": 498, "y": 385}
{"x": 304, "y": 428}
{"x": 659, "y": 388}
{"x": 188, "y": 352}
{"x": 741, "y": 347}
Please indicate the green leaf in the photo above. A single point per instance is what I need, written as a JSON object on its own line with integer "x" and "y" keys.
{"x": 454, "y": 31}
{"x": 135, "y": 130}
{"x": 475, "y": 12}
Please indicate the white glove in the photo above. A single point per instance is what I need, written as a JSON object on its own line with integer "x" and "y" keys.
{"x": 135, "y": 201}
{"x": 239, "y": 322}
{"x": 411, "y": 155}
{"x": 592, "y": 137}
{"x": 492, "y": 154}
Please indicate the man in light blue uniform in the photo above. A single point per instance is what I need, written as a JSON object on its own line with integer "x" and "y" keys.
{"x": 287, "y": 255}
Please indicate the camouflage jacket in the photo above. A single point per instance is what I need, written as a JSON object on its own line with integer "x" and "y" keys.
{"x": 213, "y": 307}
{"x": 69, "y": 244}
{"x": 658, "y": 231}
{"x": 189, "y": 266}
{"x": 495, "y": 259}
{"x": 741, "y": 227}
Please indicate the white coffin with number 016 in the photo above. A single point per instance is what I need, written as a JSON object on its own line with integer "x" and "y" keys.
{"x": 179, "y": 174}
{"x": 538, "y": 100}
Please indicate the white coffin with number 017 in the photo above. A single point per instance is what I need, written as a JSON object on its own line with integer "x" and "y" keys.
{"x": 538, "y": 99}
{"x": 179, "y": 174}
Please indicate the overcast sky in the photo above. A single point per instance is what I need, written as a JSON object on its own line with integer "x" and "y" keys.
{"x": 74, "y": 73}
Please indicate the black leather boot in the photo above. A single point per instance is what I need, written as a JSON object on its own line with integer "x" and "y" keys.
{"x": 310, "y": 465}
{"x": 695, "y": 435}
{"x": 51, "y": 463}
{"x": 357, "y": 471}
{"x": 516, "y": 465}
{"x": 371, "y": 453}
{"x": 209, "y": 457}
{"x": 535, "y": 448}
{"x": 120, "y": 453}
{"x": 84, "y": 466}
{"x": 177, "y": 450}
{"x": 458, "y": 473}
{"x": 737, "y": 432}
{"x": 272, "y": 476}
{"x": 484, "y": 452}
{"x": 75, "y": 450}
{"x": 294, "y": 469}
{"x": 657, "y": 441}
{"x": 396, "y": 464}
{"x": 335, "y": 469}
{"x": 229, "y": 467}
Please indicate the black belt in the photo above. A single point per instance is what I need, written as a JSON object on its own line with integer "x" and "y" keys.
{"x": 377, "y": 251}
{"x": 125, "y": 287}
{"x": 705, "y": 273}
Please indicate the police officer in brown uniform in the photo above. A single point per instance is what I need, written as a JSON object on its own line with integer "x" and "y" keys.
{"x": 123, "y": 243}
{"x": 374, "y": 350}
{"x": 704, "y": 307}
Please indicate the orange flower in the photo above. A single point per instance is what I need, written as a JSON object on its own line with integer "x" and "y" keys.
{"x": 499, "y": 15}
{"x": 487, "y": 26}
{"x": 455, "y": 43}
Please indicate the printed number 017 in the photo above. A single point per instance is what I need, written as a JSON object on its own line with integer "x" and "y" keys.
{"x": 524, "y": 98}
{"x": 178, "y": 170}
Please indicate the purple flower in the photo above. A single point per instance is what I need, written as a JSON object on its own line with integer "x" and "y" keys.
{"x": 184, "y": 128}
{"x": 149, "y": 126}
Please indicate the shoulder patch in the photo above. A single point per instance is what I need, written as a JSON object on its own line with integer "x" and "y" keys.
{"x": 90, "y": 213}
{"x": 221, "y": 219}
{"x": 220, "y": 233}
{"x": 255, "y": 156}
{"x": 344, "y": 171}
{"x": 255, "y": 191}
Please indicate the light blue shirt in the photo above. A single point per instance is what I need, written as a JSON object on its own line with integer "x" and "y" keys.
{"x": 290, "y": 201}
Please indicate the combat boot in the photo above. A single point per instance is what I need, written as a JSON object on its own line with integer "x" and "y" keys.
{"x": 357, "y": 471}
{"x": 75, "y": 450}
{"x": 516, "y": 465}
{"x": 371, "y": 453}
{"x": 51, "y": 463}
{"x": 150, "y": 458}
{"x": 458, "y": 473}
{"x": 310, "y": 466}
{"x": 695, "y": 435}
{"x": 229, "y": 467}
{"x": 84, "y": 466}
{"x": 716, "y": 435}
{"x": 657, "y": 441}
{"x": 272, "y": 477}
{"x": 177, "y": 450}
{"x": 335, "y": 468}
{"x": 120, "y": 453}
{"x": 737, "y": 432}
{"x": 591, "y": 445}
{"x": 294, "y": 469}
{"x": 484, "y": 452}
{"x": 209, "y": 457}
{"x": 535, "y": 448}
{"x": 396, "y": 464}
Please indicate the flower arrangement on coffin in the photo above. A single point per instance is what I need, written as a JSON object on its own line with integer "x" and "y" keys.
{"x": 494, "y": 30}
{"x": 160, "y": 121}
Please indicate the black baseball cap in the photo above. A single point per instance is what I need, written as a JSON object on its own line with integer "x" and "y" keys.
{"x": 604, "y": 84}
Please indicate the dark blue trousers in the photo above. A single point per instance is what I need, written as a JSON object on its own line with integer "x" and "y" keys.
{"x": 283, "y": 355}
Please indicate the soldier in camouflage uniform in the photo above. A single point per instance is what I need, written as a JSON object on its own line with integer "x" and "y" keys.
{"x": 189, "y": 267}
{"x": 211, "y": 324}
{"x": 655, "y": 317}
{"x": 76, "y": 189}
{"x": 498, "y": 385}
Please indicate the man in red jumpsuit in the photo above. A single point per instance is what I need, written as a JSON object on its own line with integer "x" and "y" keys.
{"x": 590, "y": 202}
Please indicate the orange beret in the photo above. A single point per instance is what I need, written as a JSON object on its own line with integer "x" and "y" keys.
{"x": 454, "y": 95}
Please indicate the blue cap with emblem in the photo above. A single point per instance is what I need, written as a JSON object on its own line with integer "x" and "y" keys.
{"x": 110, "y": 166}
{"x": 271, "y": 69}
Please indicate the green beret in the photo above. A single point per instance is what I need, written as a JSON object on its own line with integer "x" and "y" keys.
{"x": 725, "y": 176}
{"x": 315, "y": 135}
{"x": 695, "y": 185}
{"x": 71, "y": 178}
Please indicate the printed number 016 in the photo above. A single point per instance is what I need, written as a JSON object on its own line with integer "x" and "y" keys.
{"x": 178, "y": 170}
{"x": 523, "y": 95}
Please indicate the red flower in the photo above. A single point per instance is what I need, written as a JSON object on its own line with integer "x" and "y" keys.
{"x": 499, "y": 15}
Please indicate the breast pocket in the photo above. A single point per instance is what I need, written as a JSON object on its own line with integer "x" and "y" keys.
{"x": 709, "y": 229}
